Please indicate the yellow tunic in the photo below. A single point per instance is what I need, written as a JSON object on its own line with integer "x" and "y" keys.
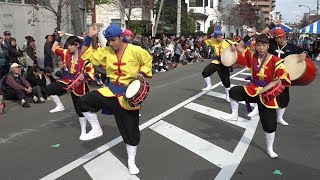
{"x": 218, "y": 48}
{"x": 120, "y": 70}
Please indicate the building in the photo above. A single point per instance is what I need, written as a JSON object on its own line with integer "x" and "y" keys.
{"x": 206, "y": 12}
{"x": 107, "y": 14}
{"x": 266, "y": 7}
{"x": 22, "y": 19}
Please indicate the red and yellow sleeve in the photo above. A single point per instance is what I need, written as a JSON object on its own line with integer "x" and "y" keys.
{"x": 282, "y": 73}
{"x": 89, "y": 69}
{"x": 59, "y": 51}
{"x": 248, "y": 57}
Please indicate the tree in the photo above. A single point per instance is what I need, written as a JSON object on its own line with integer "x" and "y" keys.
{"x": 54, "y": 6}
{"x": 241, "y": 14}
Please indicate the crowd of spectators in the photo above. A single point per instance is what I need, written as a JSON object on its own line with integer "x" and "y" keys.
{"x": 22, "y": 77}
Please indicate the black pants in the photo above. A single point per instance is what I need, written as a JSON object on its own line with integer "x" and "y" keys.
{"x": 222, "y": 70}
{"x": 58, "y": 88}
{"x": 13, "y": 94}
{"x": 284, "y": 98}
{"x": 268, "y": 117}
{"x": 127, "y": 120}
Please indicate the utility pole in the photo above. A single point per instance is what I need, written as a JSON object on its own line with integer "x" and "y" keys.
{"x": 157, "y": 20}
{"x": 179, "y": 19}
{"x": 317, "y": 7}
{"x": 93, "y": 12}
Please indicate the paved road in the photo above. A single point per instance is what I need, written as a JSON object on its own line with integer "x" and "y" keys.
{"x": 183, "y": 137}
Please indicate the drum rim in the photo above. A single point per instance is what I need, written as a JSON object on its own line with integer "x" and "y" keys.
{"x": 129, "y": 99}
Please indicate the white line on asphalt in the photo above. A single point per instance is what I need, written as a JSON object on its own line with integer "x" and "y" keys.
{"x": 247, "y": 74}
{"x": 240, "y": 79}
{"x": 234, "y": 160}
{"x": 216, "y": 114}
{"x": 220, "y": 95}
{"x": 87, "y": 157}
{"x": 107, "y": 166}
{"x": 201, "y": 147}
{"x": 231, "y": 85}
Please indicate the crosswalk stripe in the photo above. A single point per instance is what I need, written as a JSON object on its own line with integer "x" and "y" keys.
{"x": 234, "y": 160}
{"x": 107, "y": 166}
{"x": 201, "y": 147}
{"x": 87, "y": 157}
{"x": 231, "y": 85}
{"x": 216, "y": 114}
{"x": 247, "y": 74}
{"x": 240, "y": 79}
{"x": 220, "y": 95}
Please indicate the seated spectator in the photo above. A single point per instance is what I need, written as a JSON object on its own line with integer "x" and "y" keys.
{"x": 61, "y": 71}
{"x": 48, "y": 75}
{"x": 36, "y": 77}
{"x": 16, "y": 87}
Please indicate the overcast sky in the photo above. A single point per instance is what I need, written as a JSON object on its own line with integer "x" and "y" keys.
{"x": 290, "y": 10}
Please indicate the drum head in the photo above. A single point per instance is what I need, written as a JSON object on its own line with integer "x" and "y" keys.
{"x": 133, "y": 88}
{"x": 228, "y": 56}
{"x": 294, "y": 67}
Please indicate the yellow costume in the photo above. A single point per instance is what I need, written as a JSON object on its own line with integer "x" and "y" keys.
{"x": 120, "y": 70}
{"x": 218, "y": 48}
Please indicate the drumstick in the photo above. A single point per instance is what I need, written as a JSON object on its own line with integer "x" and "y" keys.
{"x": 71, "y": 35}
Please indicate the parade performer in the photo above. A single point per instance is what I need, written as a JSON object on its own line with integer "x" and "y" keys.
{"x": 218, "y": 44}
{"x": 123, "y": 62}
{"x": 74, "y": 66}
{"x": 281, "y": 48}
{"x": 265, "y": 69}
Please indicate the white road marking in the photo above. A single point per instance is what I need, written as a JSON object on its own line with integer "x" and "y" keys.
{"x": 221, "y": 96}
{"x": 107, "y": 166}
{"x": 230, "y": 167}
{"x": 201, "y": 147}
{"x": 247, "y": 74}
{"x": 216, "y": 114}
{"x": 87, "y": 157}
{"x": 240, "y": 79}
{"x": 231, "y": 85}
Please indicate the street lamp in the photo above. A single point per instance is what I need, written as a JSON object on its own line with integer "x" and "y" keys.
{"x": 306, "y": 7}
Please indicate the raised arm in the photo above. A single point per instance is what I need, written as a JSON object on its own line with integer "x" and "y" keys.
{"x": 240, "y": 47}
{"x": 56, "y": 49}
{"x": 271, "y": 25}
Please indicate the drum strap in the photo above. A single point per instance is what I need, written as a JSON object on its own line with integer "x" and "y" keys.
{"x": 257, "y": 82}
{"x": 116, "y": 89}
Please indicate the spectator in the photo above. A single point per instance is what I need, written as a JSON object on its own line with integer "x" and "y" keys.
{"x": 48, "y": 54}
{"x": 15, "y": 53}
{"x": 84, "y": 35}
{"x": 61, "y": 71}
{"x": 128, "y": 36}
{"x": 31, "y": 53}
{"x": 48, "y": 75}
{"x": 177, "y": 51}
{"x": 5, "y": 45}
{"x": 2, "y": 59}
{"x": 16, "y": 87}
{"x": 36, "y": 77}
